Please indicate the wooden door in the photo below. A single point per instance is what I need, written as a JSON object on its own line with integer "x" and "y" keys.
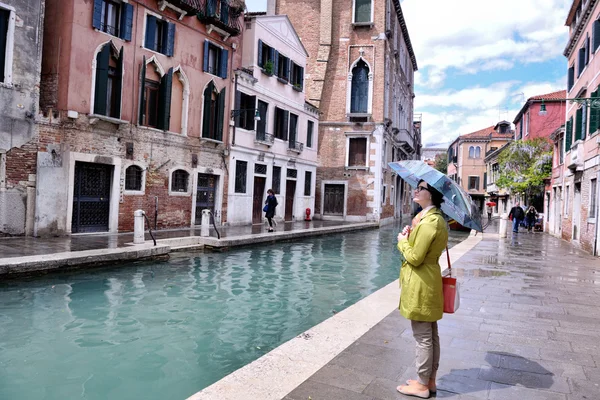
{"x": 290, "y": 193}
{"x": 333, "y": 202}
{"x": 258, "y": 199}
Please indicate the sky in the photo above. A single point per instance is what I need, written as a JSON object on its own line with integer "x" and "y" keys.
{"x": 480, "y": 60}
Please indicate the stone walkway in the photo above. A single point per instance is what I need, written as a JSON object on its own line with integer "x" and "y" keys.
{"x": 528, "y": 328}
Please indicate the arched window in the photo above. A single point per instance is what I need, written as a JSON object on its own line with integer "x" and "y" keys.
{"x": 471, "y": 152}
{"x": 108, "y": 81}
{"x": 213, "y": 112}
{"x": 179, "y": 181}
{"x": 359, "y": 97}
{"x": 477, "y": 152}
{"x": 155, "y": 103}
{"x": 133, "y": 178}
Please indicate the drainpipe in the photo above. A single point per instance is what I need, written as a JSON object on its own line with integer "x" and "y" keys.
{"x": 597, "y": 231}
{"x": 233, "y": 108}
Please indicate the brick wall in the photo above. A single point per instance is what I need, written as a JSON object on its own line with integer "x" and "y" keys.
{"x": 587, "y": 230}
{"x": 20, "y": 163}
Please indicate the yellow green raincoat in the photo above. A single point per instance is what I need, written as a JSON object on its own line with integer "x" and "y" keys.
{"x": 421, "y": 297}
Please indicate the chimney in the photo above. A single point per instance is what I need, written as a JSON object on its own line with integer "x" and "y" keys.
{"x": 271, "y": 7}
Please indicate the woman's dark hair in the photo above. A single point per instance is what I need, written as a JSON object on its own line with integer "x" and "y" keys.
{"x": 436, "y": 197}
{"x": 270, "y": 191}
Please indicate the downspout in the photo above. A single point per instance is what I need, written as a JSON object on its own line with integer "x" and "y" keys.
{"x": 595, "y": 251}
{"x": 233, "y": 108}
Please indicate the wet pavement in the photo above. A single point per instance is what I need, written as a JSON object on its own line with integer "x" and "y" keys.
{"x": 527, "y": 328}
{"x": 30, "y": 246}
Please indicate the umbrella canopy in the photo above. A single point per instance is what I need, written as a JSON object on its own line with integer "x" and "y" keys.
{"x": 490, "y": 203}
{"x": 457, "y": 204}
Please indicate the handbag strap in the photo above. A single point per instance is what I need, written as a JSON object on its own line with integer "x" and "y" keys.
{"x": 448, "y": 255}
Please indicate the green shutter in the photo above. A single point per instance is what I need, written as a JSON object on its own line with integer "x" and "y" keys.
{"x": 206, "y": 110}
{"x": 593, "y": 115}
{"x": 578, "y": 121}
{"x": 164, "y": 100}
{"x": 142, "y": 90}
{"x": 119, "y": 83}
{"x": 102, "y": 60}
{"x": 259, "y": 61}
{"x": 286, "y": 115}
{"x": 569, "y": 135}
{"x": 220, "y": 116}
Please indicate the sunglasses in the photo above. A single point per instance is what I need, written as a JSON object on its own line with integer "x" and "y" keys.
{"x": 419, "y": 188}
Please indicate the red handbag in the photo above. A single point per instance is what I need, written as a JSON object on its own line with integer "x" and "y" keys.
{"x": 450, "y": 288}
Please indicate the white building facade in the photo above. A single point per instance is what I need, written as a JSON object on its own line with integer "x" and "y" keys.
{"x": 274, "y": 130}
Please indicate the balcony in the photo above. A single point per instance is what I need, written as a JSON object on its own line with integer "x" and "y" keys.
{"x": 189, "y": 6}
{"x": 577, "y": 161}
{"x": 264, "y": 138}
{"x": 222, "y": 16}
{"x": 295, "y": 147}
{"x": 403, "y": 138}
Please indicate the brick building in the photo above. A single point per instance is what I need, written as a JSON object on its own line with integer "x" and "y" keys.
{"x": 577, "y": 184}
{"x": 275, "y": 141}
{"x": 21, "y": 23}
{"x": 360, "y": 76}
{"x": 136, "y": 97}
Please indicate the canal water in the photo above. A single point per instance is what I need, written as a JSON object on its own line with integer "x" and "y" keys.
{"x": 165, "y": 330}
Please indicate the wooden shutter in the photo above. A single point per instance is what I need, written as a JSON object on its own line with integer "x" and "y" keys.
{"x": 102, "y": 60}
{"x": 477, "y": 183}
{"x": 220, "y": 115}
{"x": 292, "y": 130}
{"x": 286, "y": 115}
{"x": 223, "y": 67}
{"x": 150, "y": 33}
{"x": 126, "y": 21}
{"x": 571, "y": 78}
{"x": 596, "y": 35}
{"x": 276, "y": 62}
{"x": 301, "y": 72}
{"x": 224, "y": 12}
{"x": 569, "y": 134}
{"x": 211, "y": 8}
{"x": 169, "y": 39}
{"x": 164, "y": 100}
{"x": 205, "y": 62}
{"x": 593, "y": 115}
{"x": 142, "y": 91}
{"x": 259, "y": 61}
{"x": 119, "y": 82}
{"x": 286, "y": 69}
{"x": 587, "y": 50}
{"x": 97, "y": 15}
{"x": 237, "y": 106}
{"x": 578, "y": 121}
{"x": 206, "y": 110}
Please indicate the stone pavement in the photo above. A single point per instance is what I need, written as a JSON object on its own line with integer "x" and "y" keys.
{"x": 527, "y": 328}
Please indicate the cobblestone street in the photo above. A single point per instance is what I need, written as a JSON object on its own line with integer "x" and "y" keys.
{"x": 527, "y": 328}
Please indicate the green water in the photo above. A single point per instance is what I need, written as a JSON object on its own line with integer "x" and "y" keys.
{"x": 166, "y": 330}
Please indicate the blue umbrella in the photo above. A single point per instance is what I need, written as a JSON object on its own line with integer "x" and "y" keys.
{"x": 457, "y": 204}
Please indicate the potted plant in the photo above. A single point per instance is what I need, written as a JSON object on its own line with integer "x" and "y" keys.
{"x": 297, "y": 87}
{"x": 268, "y": 67}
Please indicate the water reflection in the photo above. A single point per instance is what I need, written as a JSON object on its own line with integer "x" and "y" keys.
{"x": 169, "y": 329}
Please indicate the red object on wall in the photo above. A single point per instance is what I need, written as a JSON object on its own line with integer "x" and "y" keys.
{"x": 307, "y": 217}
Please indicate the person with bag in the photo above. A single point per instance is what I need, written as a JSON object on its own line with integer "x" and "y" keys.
{"x": 269, "y": 208}
{"x": 421, "y": 296}
{"x": 531, "y": 218}
{"x": 516, "y": 215}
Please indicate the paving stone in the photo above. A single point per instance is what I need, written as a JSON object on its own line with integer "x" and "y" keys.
{"x": 500, "y": 391}
{"x": 510, "y": 330}
{"x": 463, "y": 386}
{"x": 542, "y": 366}
{"x": 529, "y": 341}
{"x": 583, "y": 389}
{"x": 343, "y": 378}
{"x": 319, "y": 391}
{"x": 526, "y": 379}
{"x": 586, "y": 340}
{"x": 592, "y": 374}
{"x": 568, "y": 356}
{"x": 369, "y": 365}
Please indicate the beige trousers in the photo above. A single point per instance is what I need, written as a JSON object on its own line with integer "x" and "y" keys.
{"x": 428, "y": 349}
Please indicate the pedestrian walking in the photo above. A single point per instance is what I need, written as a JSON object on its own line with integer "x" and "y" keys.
{"x": 421, "y": 297}
{"x": 531, "y": 218}
{"x": 269, "y": 209}
{"x": 516, "y": 215}
{"x": 489, "y": 212}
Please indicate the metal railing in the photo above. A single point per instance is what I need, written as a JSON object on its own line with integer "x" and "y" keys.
{"x": 264, "y": 137}
{"x": 296, "y": 146}
{"x": 224, "y": 14}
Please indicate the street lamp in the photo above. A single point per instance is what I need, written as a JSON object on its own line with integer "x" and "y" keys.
{"x": 592, "y": 102}
{"x": 237, "y": 113}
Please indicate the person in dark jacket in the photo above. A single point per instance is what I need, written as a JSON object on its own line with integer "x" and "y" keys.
{"x": 271, "y": 204}
{"x": 531, "y": 218}
{"x": 516, "y": 215}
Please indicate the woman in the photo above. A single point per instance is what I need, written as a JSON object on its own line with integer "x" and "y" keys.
{"x": 531, "y": 218}
{"x": 421, "y": 298}
{"x": 269, "y": 208}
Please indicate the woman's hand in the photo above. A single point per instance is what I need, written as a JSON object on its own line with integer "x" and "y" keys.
{"x": 404, "y": 234}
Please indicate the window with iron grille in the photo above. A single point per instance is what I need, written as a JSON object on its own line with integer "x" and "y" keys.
{"x": 179, "y": 181}
{"x": 307, "y": 183}
{"x": 241, "y": 169}
{"x": 260, "y": 169}
{"x": 276, "y": 181}
{"x": 133, "y": 178}
{"x": 292, "y": 173}
{"x": 114, "y": 17}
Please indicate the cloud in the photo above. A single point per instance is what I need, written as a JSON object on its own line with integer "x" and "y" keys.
{"x": 469, "y": 98}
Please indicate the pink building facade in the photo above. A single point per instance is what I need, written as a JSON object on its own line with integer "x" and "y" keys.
{"x": 136, "y": 97}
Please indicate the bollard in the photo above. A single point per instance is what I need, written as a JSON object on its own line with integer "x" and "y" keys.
{"x": 138, "y": 227}
{"x": 205, "y": 227}
{"x": 503, "y": 225}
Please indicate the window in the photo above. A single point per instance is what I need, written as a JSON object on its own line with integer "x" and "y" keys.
{"x": 260, "y": 169}
{"x": 241, "y": 168}
{"x": 593, "y": 197}
{"x": 133, "y": 178}
{"x": 571, "y": 77}
{"x": 503, "y": 128}
{"x": 297, "y": 78}
{"x": 281, "y": 123}
{"x": 520, "y": 129}
{"x": 276, "y": 180}
{"x": 473, "y": 183}
{"x": 293, "y": 132}
{"x": 383, "y": 191}
{"x": 261, "y": 126}
{"x": 578, "y": 123}
{"x": 215, "y": 59}
{"x": 561, "y": 151}
{"x": 266, "y": 57}
{"x": 596, "y": 35}
{"x": 292, "y": 173}
{"x": 247, "y": 106}
{"x": 569, "y": 134}
{"x": 527, "y": 125}
{"x": 582, "y": 60}
{"x": 283, "y": 67}
{"x": 160, "y": 35}
{"x": 474, "y": 152}
{"x": 108, "y": 84}
{"x": 359, "y": 97}
{"x": 357, "y": 152}
{"x": 155, "y": 104}
{"x": 113, "y": 17}
{"x": 362, "y": 11}
{"x": 309, "y": 134}
{"x": 213, "y": 113}
{"x": 179, "y": 181}
{"x": 7, "y": 28}
{"x": 307, "y": 183}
